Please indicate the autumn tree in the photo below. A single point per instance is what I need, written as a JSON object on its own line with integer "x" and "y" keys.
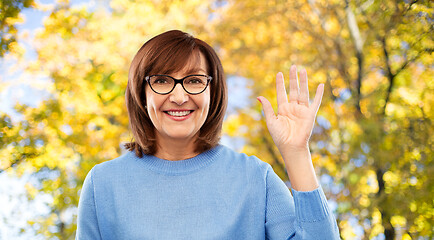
{"x": 9, "y": 16}
{"x": 86, "y": 53}
{"x": 374, "y": 130}
{"x": 372, "y": 143}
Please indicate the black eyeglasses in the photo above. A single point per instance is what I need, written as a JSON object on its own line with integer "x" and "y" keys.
{"x": 164, "y": 84}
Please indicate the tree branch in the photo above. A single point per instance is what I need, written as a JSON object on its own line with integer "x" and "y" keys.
{"x": 358, "y": 42}
{"x": 389, "y": 74}
{"x": 409, "y": 7}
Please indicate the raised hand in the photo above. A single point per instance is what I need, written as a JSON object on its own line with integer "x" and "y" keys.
{"x": 293, "y": 125}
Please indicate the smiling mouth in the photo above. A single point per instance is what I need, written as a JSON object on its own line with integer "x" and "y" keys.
{"x": 178, "y": 113}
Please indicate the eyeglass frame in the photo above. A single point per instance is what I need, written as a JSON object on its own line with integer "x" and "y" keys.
{"x": 181, "y": 81}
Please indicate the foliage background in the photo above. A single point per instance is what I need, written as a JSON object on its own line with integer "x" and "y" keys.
{"x": 372, "y": 144}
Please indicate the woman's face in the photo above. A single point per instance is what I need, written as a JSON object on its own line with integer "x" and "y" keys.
{"x": 163, "y": 108}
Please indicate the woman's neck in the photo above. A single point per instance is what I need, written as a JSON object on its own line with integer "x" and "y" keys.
{"x": 175, "y": 149}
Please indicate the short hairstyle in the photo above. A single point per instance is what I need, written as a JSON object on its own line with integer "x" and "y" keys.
{"x": 167, "y": 53}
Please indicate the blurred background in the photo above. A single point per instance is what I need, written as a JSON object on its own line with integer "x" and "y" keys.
{"x": 64, "y": 68}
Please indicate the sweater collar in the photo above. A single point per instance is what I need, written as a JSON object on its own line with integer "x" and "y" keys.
{"x": 179, "y": 167}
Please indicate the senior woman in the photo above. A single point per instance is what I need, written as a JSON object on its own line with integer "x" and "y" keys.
{"x": 177, "y": 182}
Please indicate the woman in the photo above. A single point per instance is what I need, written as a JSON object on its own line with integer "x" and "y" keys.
{"x": 177, "y": 182}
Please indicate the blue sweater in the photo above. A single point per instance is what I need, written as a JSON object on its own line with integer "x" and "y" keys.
{"x": 219, "y": 194}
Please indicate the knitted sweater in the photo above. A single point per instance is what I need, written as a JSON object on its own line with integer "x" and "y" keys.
{"x": 219, "y": 194}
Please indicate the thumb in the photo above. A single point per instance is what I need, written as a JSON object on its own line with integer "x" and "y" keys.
{"x": 268, "y": 109}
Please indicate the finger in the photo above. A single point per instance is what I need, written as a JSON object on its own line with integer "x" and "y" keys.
{"x": 303, "y": 98}
{"x": 282, "y": 98}
{"x": 268, "y": 109}
{"x": 318, "y": 97}
{"x": 293, "y": 87}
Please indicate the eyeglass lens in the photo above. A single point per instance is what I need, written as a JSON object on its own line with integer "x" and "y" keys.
{"x": 192, "y": 84}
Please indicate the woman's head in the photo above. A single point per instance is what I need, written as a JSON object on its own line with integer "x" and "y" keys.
{"x": 178, "y": 55}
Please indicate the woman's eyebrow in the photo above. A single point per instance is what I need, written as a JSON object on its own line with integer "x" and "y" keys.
{"x": 195, "y": 70}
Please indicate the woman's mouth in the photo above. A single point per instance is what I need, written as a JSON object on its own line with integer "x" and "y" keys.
{"x": 179, "y": 115}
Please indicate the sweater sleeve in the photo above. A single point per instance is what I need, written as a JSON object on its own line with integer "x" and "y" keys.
{"x": 87, "y": 221}
{"x": 303, "y": 215}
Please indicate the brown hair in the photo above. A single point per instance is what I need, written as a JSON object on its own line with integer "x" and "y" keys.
{"x": 170, "y": 52}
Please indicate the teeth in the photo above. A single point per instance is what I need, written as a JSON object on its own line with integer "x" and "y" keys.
{"x": 178, "y": 113}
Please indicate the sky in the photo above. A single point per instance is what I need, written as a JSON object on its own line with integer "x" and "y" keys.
{"x": 22, "y": 87}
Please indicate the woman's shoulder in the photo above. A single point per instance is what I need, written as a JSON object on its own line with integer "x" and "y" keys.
{"x": 244, "y": 160}
{"x": 124, "y": 162}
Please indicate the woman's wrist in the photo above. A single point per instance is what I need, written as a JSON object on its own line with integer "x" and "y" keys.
{"x": 298, "y": 163}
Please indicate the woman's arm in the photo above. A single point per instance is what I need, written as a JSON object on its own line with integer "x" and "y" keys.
{"x": 302, "y": 215}
{"x": 292, "y": 127}
{"x": 87, "y": 220}
{"x": 291, "y": 130}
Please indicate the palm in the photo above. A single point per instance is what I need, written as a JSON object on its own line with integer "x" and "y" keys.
{"x": 292, "y": 126}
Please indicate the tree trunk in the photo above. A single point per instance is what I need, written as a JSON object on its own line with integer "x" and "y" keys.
{"x": 389, "y": 231}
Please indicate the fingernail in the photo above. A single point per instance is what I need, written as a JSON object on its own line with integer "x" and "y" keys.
{"x": 259, "y": 99}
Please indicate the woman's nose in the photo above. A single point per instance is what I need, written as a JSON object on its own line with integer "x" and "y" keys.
{"x": 178, "y": 95}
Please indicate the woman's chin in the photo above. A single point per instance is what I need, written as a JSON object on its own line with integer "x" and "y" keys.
{"x": 179, "y": 134}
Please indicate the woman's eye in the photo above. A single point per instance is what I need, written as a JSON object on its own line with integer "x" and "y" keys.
{"x": 160, "y": 81}
{"x": 195, "y": 81}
